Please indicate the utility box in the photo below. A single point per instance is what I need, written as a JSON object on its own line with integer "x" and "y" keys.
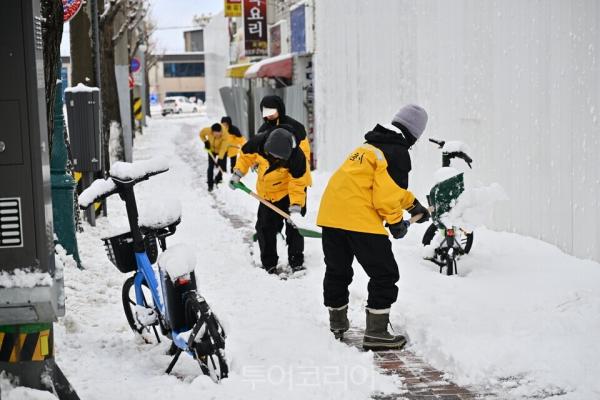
{"x": 30, "y": 288}
{"x": 83, "y": 117}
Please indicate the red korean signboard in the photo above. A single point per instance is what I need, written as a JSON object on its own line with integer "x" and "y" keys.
{"x": 255, "y": 28}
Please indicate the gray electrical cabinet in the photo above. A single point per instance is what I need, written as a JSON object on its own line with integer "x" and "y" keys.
{"x": 83, "y": 110}
{"x": 30, "y": 288}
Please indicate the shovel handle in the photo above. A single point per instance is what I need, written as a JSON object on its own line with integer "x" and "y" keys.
{"x": 210, "y": 153}
{"x": 415, "y": 218}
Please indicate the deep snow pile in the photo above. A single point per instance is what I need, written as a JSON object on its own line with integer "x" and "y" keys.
{"x": 520, "y": 319}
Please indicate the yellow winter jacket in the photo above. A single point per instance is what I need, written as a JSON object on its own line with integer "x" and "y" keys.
{"x": 361, "y": 195}
{"x": 235, "y": 143}
{"x": 279, "y": 182}
{"x": 218, "y": 145}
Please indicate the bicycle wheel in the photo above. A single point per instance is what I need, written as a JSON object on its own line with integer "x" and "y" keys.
{"x": 129, "y": 307}
{"x": 209, "y": 345}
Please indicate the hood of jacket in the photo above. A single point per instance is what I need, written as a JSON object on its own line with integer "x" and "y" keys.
{"x": 381, "y": 134}
{"x": 273, "y": 101}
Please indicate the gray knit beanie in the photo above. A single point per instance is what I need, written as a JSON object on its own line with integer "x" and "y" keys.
{"x": 280, "y": 143}
{"x": 413, "y": 118}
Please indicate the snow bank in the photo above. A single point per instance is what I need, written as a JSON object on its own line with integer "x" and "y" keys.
{"x": 159, "y": 214}
{"x": 138, "y": 169}
{"x": 98, "y": 188}
{"x": 11, "y": 391}
{"x": 474, "y": 206}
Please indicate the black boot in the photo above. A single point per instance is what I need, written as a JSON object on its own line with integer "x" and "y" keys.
{"x": 270, "y": 270}
{"x": 296, "y": 263}
{"x": 377, "y": 336}
{"x": 338, "y": 321}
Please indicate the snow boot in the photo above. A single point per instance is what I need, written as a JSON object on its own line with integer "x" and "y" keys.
{"x": 377, "y": 336}
{"x": 338, "y": 321}
{"x": 270, "y": 270}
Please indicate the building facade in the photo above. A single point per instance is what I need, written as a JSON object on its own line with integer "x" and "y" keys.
{"x": 178, "y": 75}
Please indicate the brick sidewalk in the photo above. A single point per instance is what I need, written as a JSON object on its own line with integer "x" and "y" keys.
{"x": 421, "y": 381}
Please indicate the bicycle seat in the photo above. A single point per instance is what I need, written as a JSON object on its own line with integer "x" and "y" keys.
{"x": 159, "y": 216}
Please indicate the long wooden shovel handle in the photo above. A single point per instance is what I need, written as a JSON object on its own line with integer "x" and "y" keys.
{"x": 419, "y": 216}
{"x": 210, "y": 153}
{"x": 263, "y": 201}
{"x": 415, "y": 218}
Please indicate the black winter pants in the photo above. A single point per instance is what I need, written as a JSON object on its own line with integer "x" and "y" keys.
{"x": 210, "y": 178}
{"x": 373, "y": 252}
{"x": 232, "y": 161}
{"x": 268, "y": 225}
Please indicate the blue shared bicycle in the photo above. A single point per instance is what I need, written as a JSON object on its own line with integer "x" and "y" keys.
{"x": 165, "y": 297}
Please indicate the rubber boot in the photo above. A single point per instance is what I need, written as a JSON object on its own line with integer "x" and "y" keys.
{"x": 377, "y": 336}
{"x": 338, "y": 321}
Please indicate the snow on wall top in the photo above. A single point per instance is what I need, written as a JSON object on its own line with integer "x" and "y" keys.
{"x": 80, "y": 88}
{"x": 98, "y": 188}
{"x": 23, "y": 278}
{"x": 138, "y": 169}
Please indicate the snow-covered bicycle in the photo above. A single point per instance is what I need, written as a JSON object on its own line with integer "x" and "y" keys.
{"x": 453, "y": 241}
{"x": 165, "y": 296}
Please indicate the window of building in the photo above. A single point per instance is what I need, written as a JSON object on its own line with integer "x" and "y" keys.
{"x": 179, "y": 70}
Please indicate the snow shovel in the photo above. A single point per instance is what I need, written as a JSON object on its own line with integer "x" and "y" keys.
{"x": 211, "y": 155}
{"x": 303, "y": 231}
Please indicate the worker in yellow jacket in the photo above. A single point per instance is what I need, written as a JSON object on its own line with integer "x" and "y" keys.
{"x": 235, "y": 140}
{"x": 216, "y": 145}
{"x": 368, "y": 190}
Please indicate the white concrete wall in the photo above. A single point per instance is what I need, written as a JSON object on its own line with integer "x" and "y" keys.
{"x": 216, "y": 56}
{"x": 518, "y": 80}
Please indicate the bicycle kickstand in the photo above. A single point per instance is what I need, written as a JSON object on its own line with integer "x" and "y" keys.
{"x": 173, "y": 361}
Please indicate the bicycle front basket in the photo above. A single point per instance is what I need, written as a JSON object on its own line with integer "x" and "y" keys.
{"x": 119, "y": 249}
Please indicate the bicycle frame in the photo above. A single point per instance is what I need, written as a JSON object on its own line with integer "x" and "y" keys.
{"x": 145, "y": 272}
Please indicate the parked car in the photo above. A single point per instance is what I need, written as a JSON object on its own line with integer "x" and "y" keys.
{"x": 178, "y": 105}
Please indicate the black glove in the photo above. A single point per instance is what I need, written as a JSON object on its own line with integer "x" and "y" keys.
{"x": 206, "y": 144}
{"x": 399, "y": 229}
{"x": 417, "y": 209}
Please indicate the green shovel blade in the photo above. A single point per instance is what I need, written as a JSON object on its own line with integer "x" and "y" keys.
{"x": 240, "y": 185}
{"x": 309, "y": 233}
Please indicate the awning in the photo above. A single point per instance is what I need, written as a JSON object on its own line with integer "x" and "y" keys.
{"x": 274, "y": 67}
{"x": 237, "y": 70}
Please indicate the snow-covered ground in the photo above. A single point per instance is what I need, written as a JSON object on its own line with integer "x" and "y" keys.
{"x": 520, "y": 320}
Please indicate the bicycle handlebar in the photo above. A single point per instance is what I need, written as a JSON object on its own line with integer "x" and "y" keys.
{"x": 98, "y": 190}
{"x": 103, "y": 188}
{"x": 440, "y": 143}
